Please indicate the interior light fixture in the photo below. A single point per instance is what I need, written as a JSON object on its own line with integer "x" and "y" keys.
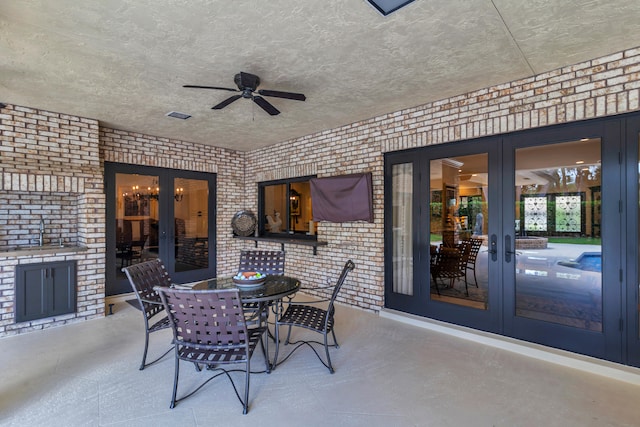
{"x": 580, "y": 162}
{"x": 179, "y": 194}
{"x": 177, "y": 115}
{"x": 386, "y": 7}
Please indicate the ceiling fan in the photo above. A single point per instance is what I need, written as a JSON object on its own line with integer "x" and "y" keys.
{"x": 247, "y": 85}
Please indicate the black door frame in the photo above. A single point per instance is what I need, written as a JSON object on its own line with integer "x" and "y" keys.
{"x": 631, "y": 325}
{"x": 419, "y": 303}
{"x": 620, "y": 340}
{"x": 166, "y": 233}
{"x": 608, "y": 343}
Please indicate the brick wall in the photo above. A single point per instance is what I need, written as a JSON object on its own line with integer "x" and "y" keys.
{"x": 147, "y": 150}
{"x": 601, "y": 87}
{"x": 33, "y": 140}
{"x": 50, "y": 170}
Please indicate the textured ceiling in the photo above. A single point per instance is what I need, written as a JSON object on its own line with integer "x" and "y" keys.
{"x": 124, "y": 62}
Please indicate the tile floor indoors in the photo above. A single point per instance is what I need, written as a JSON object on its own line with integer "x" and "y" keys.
{"x": 388, "y": 373}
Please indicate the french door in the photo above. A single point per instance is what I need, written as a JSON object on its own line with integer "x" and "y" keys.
{"x": 546, "y": 208}
{"x": 159, "y": 213}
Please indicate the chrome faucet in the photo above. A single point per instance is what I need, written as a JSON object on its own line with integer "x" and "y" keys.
{"x": 41, "y": 232}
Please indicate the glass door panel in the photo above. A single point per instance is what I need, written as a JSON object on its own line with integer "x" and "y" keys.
{"x": 557, "y": 243}
{"x": 136, "y": 219}
{"x": 191, "y": 227}
{"x": 402, "y": 239}
{"x": 159, "y": 213}
{"x": 458, "y": 220}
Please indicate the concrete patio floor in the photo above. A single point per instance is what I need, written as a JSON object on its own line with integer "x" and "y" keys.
{"x": 388, "y": 373}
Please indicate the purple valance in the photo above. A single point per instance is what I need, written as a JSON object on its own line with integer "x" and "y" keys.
{"x": 342, "y": 198}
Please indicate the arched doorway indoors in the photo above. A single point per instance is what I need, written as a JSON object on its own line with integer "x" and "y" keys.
{"x": 531, "y": 235}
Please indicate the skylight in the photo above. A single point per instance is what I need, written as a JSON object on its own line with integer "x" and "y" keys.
{"x": 387, "y": 6}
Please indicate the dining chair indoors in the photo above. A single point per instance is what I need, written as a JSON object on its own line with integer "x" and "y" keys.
{"x": 474, "y": 250}
{"x": 209, "y": 329}
{"x": 449, "y": 265}
{"x": 143, "y": 277}
{"x": 312, "y": 317}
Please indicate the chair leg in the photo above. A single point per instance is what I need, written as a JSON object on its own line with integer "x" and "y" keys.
{"x": 335, "y": 341}
{"x": 288, "y": 336}
{"x": 146, "y": 348}
{"x": 175, "y": 381}
{"x": 466, "y": 283}
{"x": 435, "y": 282}
{"x": 276, "y": 333}
{"x": 245, "y": 404}
{"x": 474, "y": 276}
{"x": 326, "y": 350}
{"x": 264, "y": 344}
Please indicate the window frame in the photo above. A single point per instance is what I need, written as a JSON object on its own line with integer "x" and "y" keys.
{"x": 286, "y": 233}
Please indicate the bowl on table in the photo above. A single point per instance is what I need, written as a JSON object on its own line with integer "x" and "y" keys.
{"x": 249, "y": 279}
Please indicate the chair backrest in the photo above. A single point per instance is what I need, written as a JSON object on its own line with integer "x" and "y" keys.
{"x": 269, "y": 262}
{"x": 143, "y": 277}
{"x": 476, "y": 244}
{"x": 212, "y": 319}
{"x": 448, "y": 262}
{"x": 348, "y": 266}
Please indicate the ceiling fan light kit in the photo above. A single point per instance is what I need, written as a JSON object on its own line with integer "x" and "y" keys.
{"x": 248, "y": 84}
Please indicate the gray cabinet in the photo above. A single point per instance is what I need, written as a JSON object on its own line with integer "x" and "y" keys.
{"x": 45, "y": 290}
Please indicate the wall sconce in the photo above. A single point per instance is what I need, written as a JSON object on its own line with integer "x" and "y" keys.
{"x": 179, "y": 194}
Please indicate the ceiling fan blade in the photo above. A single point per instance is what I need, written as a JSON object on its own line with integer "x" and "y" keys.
{"x": 287, "y": 95}
{"x": 266, "y": 106}
{"x": 226, "y": 102}
{"x": 211, "y": 87}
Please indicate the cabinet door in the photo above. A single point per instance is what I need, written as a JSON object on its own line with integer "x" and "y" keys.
{"x": 62, "y": 289}
{"x": 45, "y": 290}
{"x": 30, "y": 292}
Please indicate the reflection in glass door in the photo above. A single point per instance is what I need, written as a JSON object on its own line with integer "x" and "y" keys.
{"x": 545, "y": 206}
{"x": 159, "y": 213}
{"x": 458, "y": 224}
{"x": 136, "y": 219}
{"x": 557, "y": 247}
{"x": 191, "y": 228}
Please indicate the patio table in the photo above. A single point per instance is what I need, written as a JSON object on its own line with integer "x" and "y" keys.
{"x": 269, "y": 294}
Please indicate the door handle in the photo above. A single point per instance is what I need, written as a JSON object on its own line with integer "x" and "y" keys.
{"x": 507, "y": 249}
{"x": 493, "y": 247}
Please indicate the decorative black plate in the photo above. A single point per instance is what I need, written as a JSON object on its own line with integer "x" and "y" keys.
{"x": 244, "y": 223}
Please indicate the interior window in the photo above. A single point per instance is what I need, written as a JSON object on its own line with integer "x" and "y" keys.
{"x": 285, "y": 208}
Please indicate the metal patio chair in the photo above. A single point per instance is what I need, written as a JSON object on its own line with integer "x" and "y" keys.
{"x": 209, "y": 329}
{"x": 308, "y": 316}
{"x": 143, "y": 277}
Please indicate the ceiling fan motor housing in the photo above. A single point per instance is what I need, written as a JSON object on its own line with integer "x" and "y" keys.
{"x": 246, "y": 81}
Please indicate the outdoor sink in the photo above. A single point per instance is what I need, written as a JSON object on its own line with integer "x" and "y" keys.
{"x": 31, "y": 249}
{"x": 37, "y": 247}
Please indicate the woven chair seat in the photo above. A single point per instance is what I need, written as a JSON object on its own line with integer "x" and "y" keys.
{"x": 307, "y": 316}
{"x": 213, "y": 354}
{"x": 160, "y": 324}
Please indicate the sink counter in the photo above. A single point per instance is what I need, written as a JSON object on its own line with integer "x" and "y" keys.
{"x": 19, "y": 251}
